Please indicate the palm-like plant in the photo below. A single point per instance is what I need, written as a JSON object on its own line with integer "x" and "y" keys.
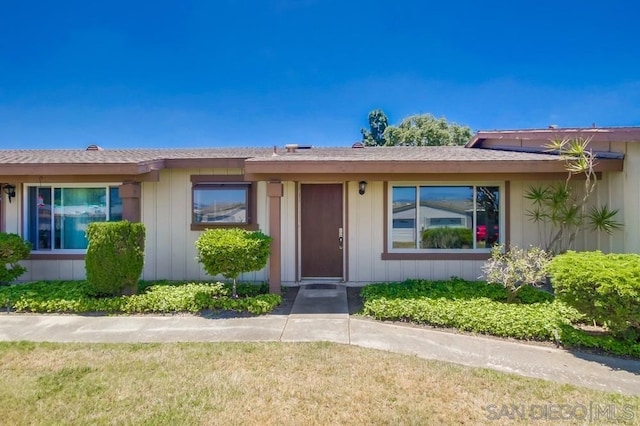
{"x": 559, "y": 210}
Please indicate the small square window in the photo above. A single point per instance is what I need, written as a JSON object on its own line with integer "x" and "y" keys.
{"x": 221, "y": 204}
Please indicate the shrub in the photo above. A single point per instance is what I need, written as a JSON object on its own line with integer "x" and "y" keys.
{"x": 232, "y": 251}
{"x": 469, "y": 306}
{"x": 115, "y": 256}
{"x": 605, "y": 287}
{"x": 517, "y": 268}
{"x": 12, "y": 250}
{"x": 160, "y": 297}
{"x": 447, "y": 238}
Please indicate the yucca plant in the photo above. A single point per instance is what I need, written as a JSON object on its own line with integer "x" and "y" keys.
{"x": 559, "y": 210}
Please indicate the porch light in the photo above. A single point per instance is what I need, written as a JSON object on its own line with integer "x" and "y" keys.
{"x": 362, "y": 187}
{"x": 10, "y": 190}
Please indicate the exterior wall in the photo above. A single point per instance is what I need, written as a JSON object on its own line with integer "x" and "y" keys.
{"x": 170, "y": 251}
{"x": 288, "y": 227}
{"x": 624, "y": 193}
{"x": 170, "y": 243}
{"x": 524, "y": 232}
{"x": 366, "y": 244}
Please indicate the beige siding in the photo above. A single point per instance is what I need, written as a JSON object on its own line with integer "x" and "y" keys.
{"x": 525, "y": 232}
{"x": 166, "y": 212}
{"x": 366, "y": 244}
{"x": 288, "y": 234}
{"x": 627, "y": 185}
{"x": 170, "y": 243}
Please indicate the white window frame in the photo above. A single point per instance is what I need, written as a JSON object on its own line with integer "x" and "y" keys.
{"x": 25, "y": 209}
{"x": 417, "y": 184}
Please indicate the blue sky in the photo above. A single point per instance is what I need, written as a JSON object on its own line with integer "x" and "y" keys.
{"x": 263, "y": 73}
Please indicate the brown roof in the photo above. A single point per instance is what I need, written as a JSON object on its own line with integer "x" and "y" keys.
{"x": 596, "y": 134}
{"x": 263, "y": 163}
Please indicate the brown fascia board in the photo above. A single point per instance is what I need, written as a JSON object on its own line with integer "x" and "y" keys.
{"x": 197, "y": 163}
{"x": 85, "y": 169}
{"x": 604, "y": 134}
{"x": 415, "y": 167}
{"x": 153, "y": 176}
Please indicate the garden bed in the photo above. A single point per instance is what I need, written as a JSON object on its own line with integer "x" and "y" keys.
{"x": 478, "y": 307}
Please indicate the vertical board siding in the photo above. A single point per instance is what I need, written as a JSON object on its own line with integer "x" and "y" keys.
{"x": 170, "y": 244}
{"x": 366, "y": 244}
{"x": 288, "y": 223}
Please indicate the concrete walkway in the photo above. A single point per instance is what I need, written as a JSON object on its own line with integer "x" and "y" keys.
{"x": 320, "y": 313}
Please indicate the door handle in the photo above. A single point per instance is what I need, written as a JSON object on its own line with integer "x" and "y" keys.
{"x": 340, "y": 238}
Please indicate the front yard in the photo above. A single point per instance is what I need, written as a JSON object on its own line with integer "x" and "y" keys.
{"x": 276, "y": 384}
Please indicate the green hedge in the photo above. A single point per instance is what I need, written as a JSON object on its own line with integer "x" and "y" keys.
{"x": 115, "y": 256}
{"x": 605, "y": 287}
{"x": 165, "y": 297}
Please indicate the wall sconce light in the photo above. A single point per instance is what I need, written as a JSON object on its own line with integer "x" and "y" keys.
{"x": 10, "y": 190}
{"x": 362, "y": 187}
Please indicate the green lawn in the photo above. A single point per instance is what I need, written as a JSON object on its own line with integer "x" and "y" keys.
{"x": 271, "y": 384}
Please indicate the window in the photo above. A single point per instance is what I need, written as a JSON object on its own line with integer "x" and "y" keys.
{"x": 436, "y": 218}
{"x": 220, "y": 201}
{"x": 57, "y": 216}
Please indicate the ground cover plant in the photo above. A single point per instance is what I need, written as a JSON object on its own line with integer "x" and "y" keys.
{"x": 152, "y": 297}
{"x": 270, "y": 384}
{"x": 475, "y": 306}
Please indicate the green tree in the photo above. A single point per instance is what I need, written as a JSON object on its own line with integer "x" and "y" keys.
{"x": 378, "y": 123}
{"x": 426, "y": 130}
{"x": 232, "y": 251}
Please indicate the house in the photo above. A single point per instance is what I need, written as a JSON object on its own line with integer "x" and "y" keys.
{"x": 355, "y": 215}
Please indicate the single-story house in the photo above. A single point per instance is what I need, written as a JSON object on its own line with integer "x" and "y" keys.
{"x": 354, "y": 215}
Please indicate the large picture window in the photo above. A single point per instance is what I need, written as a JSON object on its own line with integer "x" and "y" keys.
{"x": 442, "y": 217}
{"x": 57, "y": 216}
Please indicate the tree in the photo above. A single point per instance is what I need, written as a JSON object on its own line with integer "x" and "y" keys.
{"x": 426, "y": 130}
{"x": 559, "y": 210}
{"x": 232, "y": 251}
{"x": 378, "y": 123}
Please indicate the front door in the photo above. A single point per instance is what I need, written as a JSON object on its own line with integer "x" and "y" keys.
{"x": 321, "y": 231}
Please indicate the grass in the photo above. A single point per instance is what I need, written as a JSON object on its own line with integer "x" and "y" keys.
{"x": 263, "y": 383}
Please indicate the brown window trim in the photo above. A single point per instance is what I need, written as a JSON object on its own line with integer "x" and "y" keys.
{"x": 56, "y": 256}
{"x": 435, "y": 256}
{"x": 386, "y": 255}
{"x": 204, "y": 226}
{"x": 252, "y": 224}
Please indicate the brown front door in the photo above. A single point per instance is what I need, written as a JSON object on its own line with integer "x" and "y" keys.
{"x": 321, "y": 230}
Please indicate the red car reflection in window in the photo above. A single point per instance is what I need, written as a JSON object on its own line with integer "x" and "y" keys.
{"x": 481, "y": 233}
